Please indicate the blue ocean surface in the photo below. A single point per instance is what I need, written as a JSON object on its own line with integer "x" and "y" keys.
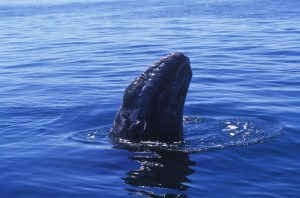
{"x": 64, "y": 66}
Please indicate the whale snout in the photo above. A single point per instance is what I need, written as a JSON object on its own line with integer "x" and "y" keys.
{"x": 153, "y": 103}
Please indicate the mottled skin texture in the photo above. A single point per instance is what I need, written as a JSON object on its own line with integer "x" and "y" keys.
{"x": 153, "y": 103}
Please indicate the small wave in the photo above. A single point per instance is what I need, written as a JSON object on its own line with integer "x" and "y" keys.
{"x": 201, "y": 134}
{"x": 93, "y": 136}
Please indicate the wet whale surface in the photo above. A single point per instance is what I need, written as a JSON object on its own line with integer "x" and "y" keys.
{"x": 152, "y": 107}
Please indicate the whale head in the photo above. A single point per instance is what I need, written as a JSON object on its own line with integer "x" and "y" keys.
{"x": 152, "y": 107}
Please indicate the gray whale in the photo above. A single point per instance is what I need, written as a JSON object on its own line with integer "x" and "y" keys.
{"x": 152, "y": 107}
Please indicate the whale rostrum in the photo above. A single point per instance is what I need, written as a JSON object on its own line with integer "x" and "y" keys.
{"x": 152, "y": 107}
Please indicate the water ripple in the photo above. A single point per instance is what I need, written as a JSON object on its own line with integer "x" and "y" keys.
{"x": 201, "y": 134}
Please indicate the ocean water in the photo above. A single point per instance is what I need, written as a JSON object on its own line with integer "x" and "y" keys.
{"x": 64, "y": 65}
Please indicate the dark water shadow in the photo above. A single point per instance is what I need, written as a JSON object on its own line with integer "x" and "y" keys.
{"x": 161, "y": 173}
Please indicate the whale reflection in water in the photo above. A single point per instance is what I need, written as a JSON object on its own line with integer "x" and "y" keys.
{"x": 160, "y": 170}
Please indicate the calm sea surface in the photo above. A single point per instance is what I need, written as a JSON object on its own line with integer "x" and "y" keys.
{"x": 65, "y": 64}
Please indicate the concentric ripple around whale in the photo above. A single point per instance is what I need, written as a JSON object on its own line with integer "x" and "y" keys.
{"x": 201, "y": 134}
